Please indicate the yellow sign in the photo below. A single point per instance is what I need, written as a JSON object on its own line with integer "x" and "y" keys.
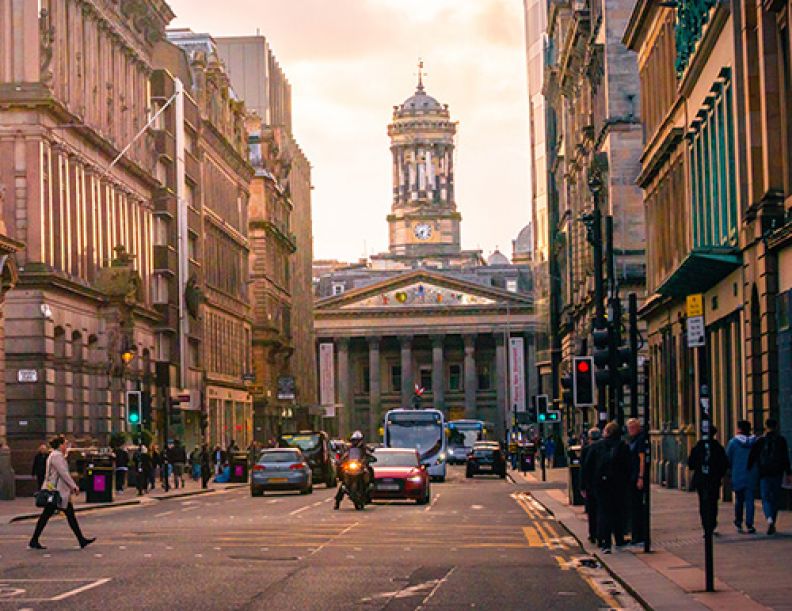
{"x": 695, "y": 305}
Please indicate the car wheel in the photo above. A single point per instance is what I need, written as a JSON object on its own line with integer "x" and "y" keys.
{"x": 503, "y": 475}
{"x": 331, "y": 481}
{"x": 308, "y": 490}
{"x": 256, "y": 491}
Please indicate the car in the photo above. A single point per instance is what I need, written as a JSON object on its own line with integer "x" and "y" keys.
{"x": 281, "y": 469}
{"x": 486, "y": 459}
{"x": 315, "y": 446}
{"x": 399, "y": 474}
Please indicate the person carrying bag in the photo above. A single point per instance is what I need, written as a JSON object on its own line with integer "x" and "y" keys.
{"x": 56, "y": 495}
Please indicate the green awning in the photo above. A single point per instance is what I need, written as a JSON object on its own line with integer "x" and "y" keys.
{"x": 702, "y": 269}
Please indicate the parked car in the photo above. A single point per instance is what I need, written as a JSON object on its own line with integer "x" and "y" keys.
{"x": 399, "y": 474}
{"x": 315, "y": 447}
{"x": 486, "y": 459}
{"x": 281, "y": 469}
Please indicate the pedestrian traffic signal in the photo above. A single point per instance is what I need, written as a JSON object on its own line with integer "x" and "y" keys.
{"x": 583, "y": 381}
{"x": 175, "y": 413}
{"x": 134, "y": 406}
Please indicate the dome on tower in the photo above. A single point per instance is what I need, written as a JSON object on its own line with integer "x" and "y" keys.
{"x": 420, "y": 100}
{"x": 497, "y": 258}
{"x": 524, "y": 242}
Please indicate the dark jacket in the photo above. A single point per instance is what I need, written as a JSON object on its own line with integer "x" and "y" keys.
{"x": 780, "y": 455}
{"x": 177, "y": 454}
{"x": 40, "y": 465}
{"x": 142, "y": 462}
{"x": 121, "y": 459}
{"x": 607, "y": 465}
{"x": 718, "y": 465}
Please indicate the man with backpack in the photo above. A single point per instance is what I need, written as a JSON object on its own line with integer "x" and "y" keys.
{"x": 708, "y": 472}
{"x": 771, "y": 453}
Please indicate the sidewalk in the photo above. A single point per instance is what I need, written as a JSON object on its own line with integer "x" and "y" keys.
{"x": 23, "y": 508}
{"x": 751, "y": 571}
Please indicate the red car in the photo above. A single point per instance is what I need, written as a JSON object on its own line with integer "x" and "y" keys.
{"x": 399, "y": 474}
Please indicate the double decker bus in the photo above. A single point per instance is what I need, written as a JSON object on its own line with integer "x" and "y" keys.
{"x": 462, "y": 434}
{"x": 423, "y": 430}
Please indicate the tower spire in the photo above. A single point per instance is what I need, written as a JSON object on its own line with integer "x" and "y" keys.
{"x": 421, "y": 74}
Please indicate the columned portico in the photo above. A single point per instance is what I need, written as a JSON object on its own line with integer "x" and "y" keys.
{"x": 407, "y": 387}
{"x": 344, "y": 387}
{"x": 471, "y": 384}
{"x": 375, "y": 387}
{"x": 438, "y": 372}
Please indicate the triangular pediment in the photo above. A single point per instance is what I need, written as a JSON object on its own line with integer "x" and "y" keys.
{"x": 423, "y": 289}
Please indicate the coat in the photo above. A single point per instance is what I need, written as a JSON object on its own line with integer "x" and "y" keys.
{"x": 719, "y": 464}
{"x": 59, "y": 478}
{"x": 606, "y": 468}
{"x": 737, "y": 451}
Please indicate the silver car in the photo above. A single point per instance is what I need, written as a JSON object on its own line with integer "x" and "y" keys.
{"x": 281, "y": 469}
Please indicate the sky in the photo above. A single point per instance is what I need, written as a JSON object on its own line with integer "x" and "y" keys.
{"x": 350, "y": 61}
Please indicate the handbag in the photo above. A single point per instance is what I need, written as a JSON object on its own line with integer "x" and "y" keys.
{"x": 50, "y": 495}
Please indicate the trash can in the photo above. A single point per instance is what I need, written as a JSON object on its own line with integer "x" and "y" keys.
{"x": 239, "y": 468}
{"x": 573, "y": 485}
{"x": 527, "y": 457}
{"x": 99, "y": 479}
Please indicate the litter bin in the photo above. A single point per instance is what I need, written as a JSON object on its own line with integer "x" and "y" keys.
{"x": 239, "y": 468}
{"x": 99, "y": 479}
{"x": 573, "y": 485}
{"x": 528, "y": 457}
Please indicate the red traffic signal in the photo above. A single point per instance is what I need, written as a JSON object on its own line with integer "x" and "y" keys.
{"x": 583, "y": 366}
{"x": 583, "y": 382}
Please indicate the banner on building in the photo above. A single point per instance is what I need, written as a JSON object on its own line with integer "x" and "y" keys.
{"x": 517, "y": 373}
{"x": 287, "y": 388}
{"x": 327, "y": 378}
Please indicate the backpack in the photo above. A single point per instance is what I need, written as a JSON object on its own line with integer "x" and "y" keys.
{"x": 769, "y": 461}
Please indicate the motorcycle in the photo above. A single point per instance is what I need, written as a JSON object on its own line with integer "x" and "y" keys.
{"x": 355, "y": 480}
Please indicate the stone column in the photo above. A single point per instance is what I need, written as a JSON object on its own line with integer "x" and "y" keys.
{"x": 471, "y": 383}
{"x": 407, "y": 387}
{"x": 344, "y": 388}
{"x": 501, "y": 389}
{"x": 375, "y": 407}
{"x": 531, "y": 374}
{"x": 438, "y": 372}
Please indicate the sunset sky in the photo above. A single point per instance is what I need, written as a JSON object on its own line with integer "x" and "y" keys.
{"x": 351, "y": 61}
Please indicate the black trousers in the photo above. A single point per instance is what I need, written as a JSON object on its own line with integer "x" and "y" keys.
{"x": 48, "y": 512}
{"x": 591, "y": 513}
{"x": 206, "y": 473}
{"x": 610, "y": 516}
{"x": 708, "y": 508}
{"x": 637, "y": 518}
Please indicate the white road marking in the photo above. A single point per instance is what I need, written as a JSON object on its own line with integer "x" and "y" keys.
{"x": 300, "y": 510}
{"x": 88, "y": 586}
{"x": 329, "y": 541}
{"x": 439, "y": 583}
{"x": 164, "y": 513}
{"x": 477, "y": 507}
{"x": 191, "y": 507}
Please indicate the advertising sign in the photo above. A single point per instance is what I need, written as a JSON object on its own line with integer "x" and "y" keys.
{"x": 327, "y": 377}
{"x": 517, "y": 373}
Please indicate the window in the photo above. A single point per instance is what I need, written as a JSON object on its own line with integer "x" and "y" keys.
{"x": 365, "y": 382}
{"x": 511, "y": 285}
{"x": 426, "y": 377}
{"x": 161, "y": 225}
{"x": 338, "y": 288}
{"x": 192, "y": 246}
{"x": 484, "y": 377}
{"x": 162, "y": 346}
{"x": 159, "y": 288}
{"x": 189, "y": 195}
{"x": 162, "y": 172}
{"x": 455, "y": 377}
{"x": 396, "y": 378}
{"x": 193, "y": 354}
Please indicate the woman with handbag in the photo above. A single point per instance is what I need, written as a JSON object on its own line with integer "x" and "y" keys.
{"x": 56, "y": 494}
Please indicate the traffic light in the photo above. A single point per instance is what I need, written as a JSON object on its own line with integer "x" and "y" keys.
{"x": 583, "y": 381}
{"x": 204, "y": 421}
{"x": 175, "y": 413}
{"x": 566, "y": 385}
{"x": 541, "y": 408}
{"x": 533, "y": 414}
{"x": 134, "y": 406}
{"x": 145, "y": 410}
{"x": 603, "y": 340}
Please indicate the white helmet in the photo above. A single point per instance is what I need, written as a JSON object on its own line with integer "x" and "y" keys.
{"x": 356, "y": 436}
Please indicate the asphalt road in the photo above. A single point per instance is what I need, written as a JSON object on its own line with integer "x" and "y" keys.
{"x": 482, "y": 543}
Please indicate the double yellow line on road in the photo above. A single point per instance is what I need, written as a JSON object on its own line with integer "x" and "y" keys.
{"x": 542, "y": 533}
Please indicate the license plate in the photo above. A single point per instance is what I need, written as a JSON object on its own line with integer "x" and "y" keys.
{"x": 279, "y": 480}
{"x": 388, "y": 487}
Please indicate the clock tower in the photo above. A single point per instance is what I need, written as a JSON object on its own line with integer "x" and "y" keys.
{"x": 424, "y": 221}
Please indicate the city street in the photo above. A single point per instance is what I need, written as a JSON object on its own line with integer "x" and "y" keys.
{"x": 482, "y": 543}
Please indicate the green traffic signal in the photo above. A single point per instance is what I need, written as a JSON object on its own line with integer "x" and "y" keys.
{"x": 134, "y": 418}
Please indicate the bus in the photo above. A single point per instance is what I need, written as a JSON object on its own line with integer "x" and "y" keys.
{"x": 422, "y": 429}
{"x": 462, "y": 434}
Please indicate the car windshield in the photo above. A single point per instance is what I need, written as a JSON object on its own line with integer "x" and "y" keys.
{"x": 396, "y": 459}
{"x": 410, "y": 431}
{"x": 270, "y": 457}
{"x": 306, "y": 443}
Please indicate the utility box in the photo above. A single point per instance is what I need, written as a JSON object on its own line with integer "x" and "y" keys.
{"x": 99, "y": 472}
{"x": 573, "y": 485}
{"x": 239, "y": 468}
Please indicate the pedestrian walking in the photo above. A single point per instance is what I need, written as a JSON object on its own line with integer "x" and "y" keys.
{"x": 637, "y": 445}
{"x": 156, "y": 466}
{"x": 707, "y": 484}
{"x": 743, "y": 479}
{"x": 608, "y": 468}
{"x": 195, "y": 464}
{"x": 121, "y": 468}
{"x": 39, "y": 470}
{"x": 58, "y": 478}
{"x": 587, "y": 484}
{"x": 206, "y": 465}
{"x": 219, "y": 459}
{"x": 771, "y": 453}
{"x": 177, "y": 456}
{"x": 549, "y": 452}
{"x": 141, "y": 461}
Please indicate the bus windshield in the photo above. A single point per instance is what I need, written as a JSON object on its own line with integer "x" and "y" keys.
{"x": 464, "y": 434}
{"x": 420, "y": 430}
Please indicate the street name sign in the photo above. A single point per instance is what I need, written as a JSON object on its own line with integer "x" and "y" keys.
{"x": 696, "y": 332}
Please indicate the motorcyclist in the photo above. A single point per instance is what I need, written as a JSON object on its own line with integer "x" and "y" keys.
{"x": 356, "y": 450}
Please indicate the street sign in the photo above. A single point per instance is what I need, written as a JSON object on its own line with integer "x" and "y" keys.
{"x": 27, "y": 376}
{"x": 694, "y": 305}
{"x": 696, "y": 332}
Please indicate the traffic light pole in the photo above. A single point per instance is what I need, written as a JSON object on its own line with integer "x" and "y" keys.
{"x": 647, "y": 461}
{"x": 595, "y": 239}
{"x": 632, "y": 309}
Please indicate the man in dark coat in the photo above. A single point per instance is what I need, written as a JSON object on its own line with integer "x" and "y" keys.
{"x": 607, "y": 467}
{"x": 771, "y": 453}
{"x": 40, "y": 465}
{"x": 707, "y": 482}
{"x": 587, "y": 484}
{"x": 206, "y": 465}
{"x": 141, "y": 462}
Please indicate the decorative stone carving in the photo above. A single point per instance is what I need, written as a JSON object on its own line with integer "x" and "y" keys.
{"x": 46, "y": 38}
{"x": 120, "y": 280}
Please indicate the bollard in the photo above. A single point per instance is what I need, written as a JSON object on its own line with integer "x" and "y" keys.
{"x": 7, "y": 475}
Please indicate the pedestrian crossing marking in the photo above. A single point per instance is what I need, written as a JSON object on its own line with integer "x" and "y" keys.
{"x": 532, "y": 536}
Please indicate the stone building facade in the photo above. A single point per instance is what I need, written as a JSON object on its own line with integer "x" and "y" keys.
{"x": 717, "y": 184}
{"x": 594, "y": 138}
{"x": 285, "y": 387}
{"x": 73, "y": 93}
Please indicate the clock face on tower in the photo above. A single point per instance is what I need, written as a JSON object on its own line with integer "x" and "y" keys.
{"x": 423, "y": 231}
